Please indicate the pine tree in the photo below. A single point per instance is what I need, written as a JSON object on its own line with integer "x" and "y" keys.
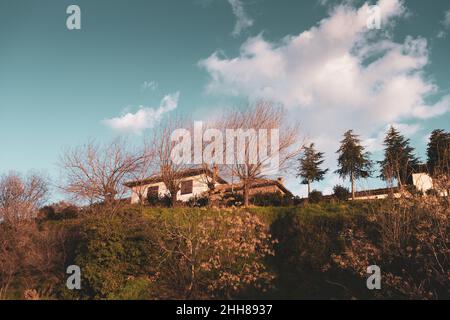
{"x": 353, "y": 161}
{"x": 399, "y": 159}
{"x": 309, "y": 169}
{"x": 438, "y": 152}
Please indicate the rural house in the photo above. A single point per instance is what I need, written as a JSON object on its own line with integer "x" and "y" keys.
{"x": 194, "y": 183}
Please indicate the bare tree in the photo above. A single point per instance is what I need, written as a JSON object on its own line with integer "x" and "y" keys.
{"x": 21, "y": 197}
{"x": 95, "y": 173}
{"x": 251, "y": 157}
{"x": 149, "y": 167}
{"x": 164, "y": 145}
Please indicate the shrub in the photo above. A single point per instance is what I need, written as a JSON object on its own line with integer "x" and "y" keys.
{"x": 432, "y": 192}
{"x": 341, "y": 193}
{"x": 196, "y": 201}
{"x": 412, "y": 247}
{"x": 233, "y": 199}
{"x": 306, "y": 242}
{"x": 271, "y": 199}
{"x": 155, "y": 200}
{"x": 59, "y": 211}
{"x": 213, "y": 255}
{"x": 315, "y": 196}
{"x": 31, "y": 259}
{"x": 111, "y": 250}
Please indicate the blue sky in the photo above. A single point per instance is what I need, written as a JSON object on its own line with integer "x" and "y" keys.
{"x": 134, "y": 61}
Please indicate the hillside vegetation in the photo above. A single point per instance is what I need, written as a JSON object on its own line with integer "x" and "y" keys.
{"x": 303, "y": 252}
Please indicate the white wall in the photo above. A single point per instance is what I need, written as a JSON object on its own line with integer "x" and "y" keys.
{"x": 199, "y": 186}
{"x": 422, "y": 181}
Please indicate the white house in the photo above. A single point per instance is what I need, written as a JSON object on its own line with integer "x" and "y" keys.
{"x": 420, "y": 180}
{"x": 194, "y": 182}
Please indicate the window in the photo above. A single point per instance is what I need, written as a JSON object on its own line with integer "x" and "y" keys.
{"x": 186, "y": 186}
{"x": 153, "y": 191}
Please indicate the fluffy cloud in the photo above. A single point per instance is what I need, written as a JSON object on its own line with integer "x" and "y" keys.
{"x": 243, "y": 21}
{"x": 376, "y": 143}
{"x": 337, "y": 73}
{"x": 144, "y": 118}
{"x": 335, "y": 76}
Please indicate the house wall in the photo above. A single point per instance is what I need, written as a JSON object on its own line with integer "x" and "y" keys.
{"x": 422, "y": 181}
{"x": 376, "y": 197}
{"x": 199, "y": 186}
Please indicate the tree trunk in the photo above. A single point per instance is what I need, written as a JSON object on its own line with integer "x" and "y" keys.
{"x": 399, "y": 181}
{"x": 353, "y": 186}
{"x": 246, "y": 193}
{"x": 173, "y": 198}
{"x": 309, "y": 188}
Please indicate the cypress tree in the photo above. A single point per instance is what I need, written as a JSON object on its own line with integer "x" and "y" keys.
{"x": 309, "y": 169}
{"x": 353, "y": 161}
{"x": 438, "y": 153}
{"x": 399, "y": 159}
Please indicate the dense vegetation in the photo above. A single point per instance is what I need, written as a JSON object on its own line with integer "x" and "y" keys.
{"x": 304, "y": 251}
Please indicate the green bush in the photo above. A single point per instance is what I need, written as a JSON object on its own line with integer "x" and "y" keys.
{"x": 322, "y": 251}
{"x": 341, "y": 193}
{"x": 196, "y": 201}
{"x": 308, "y": 238}
{"x": 271, "y": 199}
{"x": 111, "y": 250}
{"x": 315, "y": 196}
{"x": 155, "y": 200}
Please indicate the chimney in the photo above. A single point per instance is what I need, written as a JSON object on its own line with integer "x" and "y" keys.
{"x": 215, "y": 173}
{"x": 280, "y": 180}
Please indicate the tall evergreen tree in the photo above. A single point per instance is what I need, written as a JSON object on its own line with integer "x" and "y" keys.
{"x": 353, "y": 161}
{"x": 399, "y": 159}
{"x": 309, "y": 169}
{"x": 438, "y": 153}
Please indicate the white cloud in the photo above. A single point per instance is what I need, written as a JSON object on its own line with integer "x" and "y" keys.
{"x": 446, "y": 21}
{"x": 243, "y": 21}
{"x": 149, "y": 85}
{"x": 144, "y": 118}
{"x": 335, "y": 76}
{"x": 445, "y": 25}
{"x": 324, "y": 74}
{"x": 376, "y": 143}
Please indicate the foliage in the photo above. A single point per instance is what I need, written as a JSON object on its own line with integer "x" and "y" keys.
{"x": 31, "y": 257}
{"x": 399, "y": 161}
{"x": 155, "y": 200}
{"x": 198, "y": 201}
{"x": 411, "y": 246}
{"x": 59, "y": 211}
{"x": 309, "y": 251}
{"x": 315, "y": 196}
{"x": 341, "y": 193}
{"x": 216, "y": 255}
{"x": 303, "y": 255}
{"x": 21, "y": 196}
{"x": 353, "y": 161}
{"x": 438, "y": 152}
{"x": 111, "y": 250}
{"x": 309, "y": 168}
{"x": 271, "y": 199}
